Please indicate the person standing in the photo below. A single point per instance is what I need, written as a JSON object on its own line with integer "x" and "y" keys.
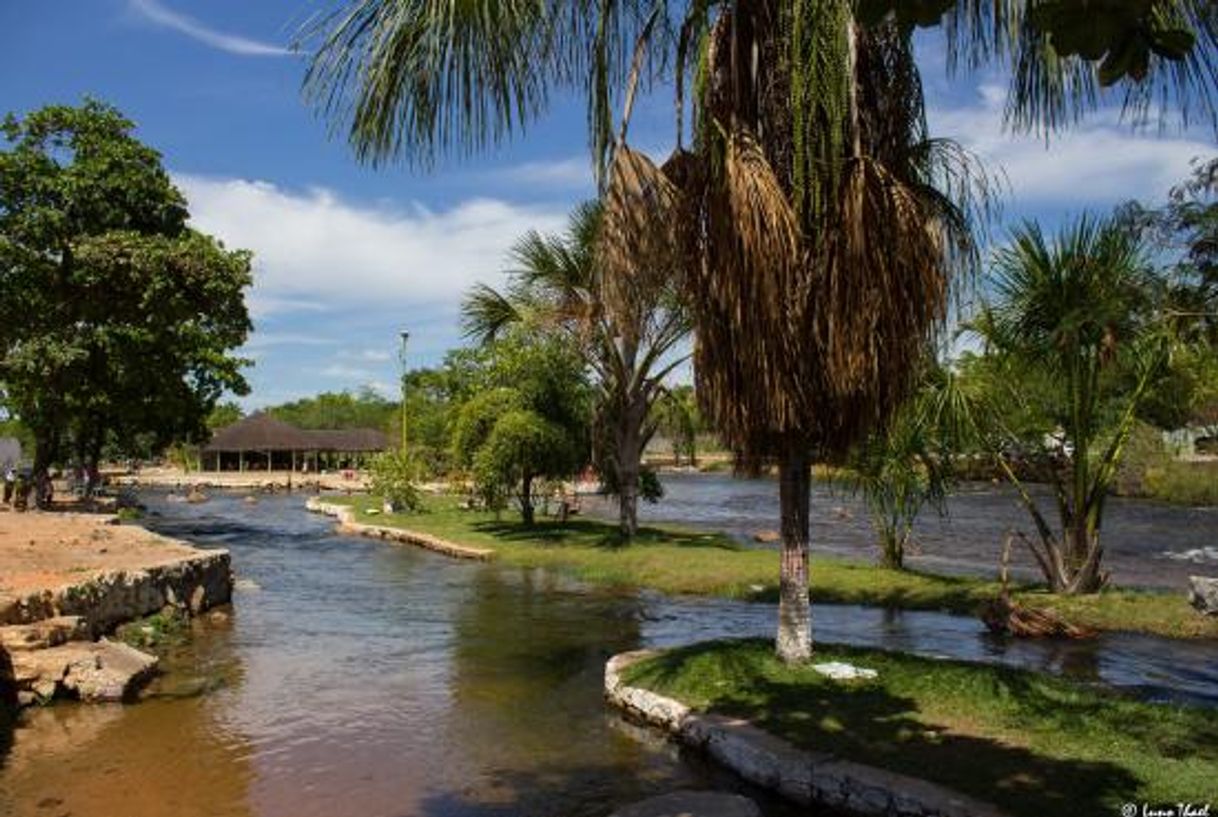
{"x": 10, "y": 483}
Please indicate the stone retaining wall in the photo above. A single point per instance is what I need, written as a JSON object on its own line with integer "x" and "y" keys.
{"x": 801, "y": 776}
{"x": 348, "y": 524}
{"x": 105, "y": 600}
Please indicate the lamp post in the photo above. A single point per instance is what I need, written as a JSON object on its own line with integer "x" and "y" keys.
{"x": 405, "y": 336}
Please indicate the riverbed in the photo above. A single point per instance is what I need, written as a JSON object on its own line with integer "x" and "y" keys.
{"x": 359, "y": 677}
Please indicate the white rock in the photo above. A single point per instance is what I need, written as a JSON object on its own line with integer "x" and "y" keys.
{"x": 841, "y": 671}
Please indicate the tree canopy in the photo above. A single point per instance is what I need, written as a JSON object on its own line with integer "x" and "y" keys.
{"x": 116, "y": 319}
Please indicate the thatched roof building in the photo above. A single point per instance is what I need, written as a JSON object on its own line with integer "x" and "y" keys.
{"x": 260, "y": 432}
{"x": 271, "y": 443}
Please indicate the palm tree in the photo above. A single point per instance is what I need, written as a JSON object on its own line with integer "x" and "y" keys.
{"x": 627, "y": 334}
{"x": 812, "y": 224}
{"x": 1076, "y": 314}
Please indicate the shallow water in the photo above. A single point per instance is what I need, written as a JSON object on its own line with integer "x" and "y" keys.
{"x": 1147, "y": 544}
{"x": 364, "y": 678}
{"x": 360, "y": 678}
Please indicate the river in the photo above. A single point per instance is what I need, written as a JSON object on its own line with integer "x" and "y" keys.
{"x": 356, "y": 677}
{"x": 1147, "y": 544}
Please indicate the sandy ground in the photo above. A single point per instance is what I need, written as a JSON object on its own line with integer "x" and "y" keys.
{"x": 234, "y": 480}
{"x": 47, "y": 550}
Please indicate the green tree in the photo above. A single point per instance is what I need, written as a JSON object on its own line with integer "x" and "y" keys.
{"x": 1071, "y": 320}
{"x": 337, "y": 410}
{"x": 680, "y": 422}
{"x": 626, "y": 330}
{"x": 116, "y": 319}
{"x": 813, "y": 224}
{"x": 521, "y": 448}
{"x": 538, "y": 382}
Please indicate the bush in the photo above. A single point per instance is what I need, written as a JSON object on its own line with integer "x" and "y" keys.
{"x": 393, "y": 479}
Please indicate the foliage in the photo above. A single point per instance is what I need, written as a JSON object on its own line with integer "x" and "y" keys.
{"x": 528, "y": 420}
{"x": 626, "y": 330}
{"x": 522, "y": 447}
{"x": 909, "y": 464}
{"x": 679, "y": 420}
{"x": 1070, "y": 318}
{"x": 392, "y": 476}
{"x": 331, "y": 410}
{"x": 224, "y": 415}
{"x": 116, "y": 319}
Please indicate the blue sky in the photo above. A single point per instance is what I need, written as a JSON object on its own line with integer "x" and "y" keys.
{"x": 345, "y": 255}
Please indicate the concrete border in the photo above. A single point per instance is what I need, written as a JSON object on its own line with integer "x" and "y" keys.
{"x": 347, "y": 524}
{"x": 798, "y": 775}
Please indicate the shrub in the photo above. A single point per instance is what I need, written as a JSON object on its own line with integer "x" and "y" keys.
{"x": 393, "y": 479}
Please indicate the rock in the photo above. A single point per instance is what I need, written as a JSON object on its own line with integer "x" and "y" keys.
{"x": 767, "y": 537}
{"x": 196, "y": 496}
{"x": 102, "y": 671}
{"x": 692, "y": 804}
{"x": 1203, "y": 594}
{"x": 246, "y": 586}
{"x": 841, "y": 671}
{"x": 40, "y": 635}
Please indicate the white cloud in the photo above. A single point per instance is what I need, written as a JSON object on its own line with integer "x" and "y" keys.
{"x": 343, "y": 372}
{"x": 571, "y": 173}
{"x": 156, "y": 12}
{"x": 1098, "y": 162}
{"x": 261, "y": 340}
{"x": 313, "y": 250}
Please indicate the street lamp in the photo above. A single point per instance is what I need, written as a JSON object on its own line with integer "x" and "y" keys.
{"x": 405, "y": 336}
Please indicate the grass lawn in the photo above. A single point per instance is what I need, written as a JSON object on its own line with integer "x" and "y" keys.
{"x": 674, "y": 560}
{"x": 1029, "y": 743}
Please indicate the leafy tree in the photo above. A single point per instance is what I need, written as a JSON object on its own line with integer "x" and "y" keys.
{"x": 626, "y": 330}
{"x": 1070, "y": 318}
{"x": 539, "y": 383}
{"x": 338, "y": 410}
{"x": 680, "y": 422}
{"x": 522, "y": 447}
{"x": 392, "y": 477}
{"x": 116, "y": 319}
{"x": 812, "y": 223}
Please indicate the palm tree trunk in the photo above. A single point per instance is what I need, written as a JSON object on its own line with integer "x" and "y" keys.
{"x": 628, "y": 456}
{"x": 794, "y": 642}
{"x": 526, "y": 499}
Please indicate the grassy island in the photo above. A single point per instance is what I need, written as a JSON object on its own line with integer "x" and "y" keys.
{"x": 683, "y": 561}
{"x": 1029, "y": 743}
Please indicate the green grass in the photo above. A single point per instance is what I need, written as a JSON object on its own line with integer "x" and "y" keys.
{"x": 682, "y": 561}
{"x": 1029, "y": 743}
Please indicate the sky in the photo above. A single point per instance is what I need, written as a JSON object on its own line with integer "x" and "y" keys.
{"x": 347, "y": 256}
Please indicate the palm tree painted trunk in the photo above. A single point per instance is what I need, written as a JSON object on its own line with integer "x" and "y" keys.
{"x": 794, "y": 643}
{"x": 627, "y": 461}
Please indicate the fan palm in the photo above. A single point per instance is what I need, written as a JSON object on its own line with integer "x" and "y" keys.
{"x": 627, "y": 335}
{"x": 812, "y": 224}
{"x": 1078, "y": 311}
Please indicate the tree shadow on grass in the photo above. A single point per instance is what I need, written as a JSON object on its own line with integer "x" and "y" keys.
{"x": 866, "y": 723}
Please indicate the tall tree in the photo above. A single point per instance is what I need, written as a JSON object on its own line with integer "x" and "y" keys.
{"x": 627, "y": 334}
{"x": 116, "y": 318}
{"x": 812, "y": 223}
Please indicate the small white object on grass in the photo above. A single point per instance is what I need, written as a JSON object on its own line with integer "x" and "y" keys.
{"x": 841, "y": 671}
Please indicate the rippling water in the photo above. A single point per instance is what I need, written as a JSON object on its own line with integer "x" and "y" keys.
{"x": 1149, "y": 544}
{"x": 364, "y": 678}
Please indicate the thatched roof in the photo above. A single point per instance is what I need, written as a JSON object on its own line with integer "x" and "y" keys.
{"x": 260, "y": 432}
{"x": 348, "y": 439}
{"x": 10, "y": 452}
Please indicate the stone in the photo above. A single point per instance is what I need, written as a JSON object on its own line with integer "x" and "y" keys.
{"x": 767, "y": 537}
{"x": 841, "y": 671}
{"x": 93, "y": 672}
{"x": 1203, "y": 594}
{"x": 692, "y": 804}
